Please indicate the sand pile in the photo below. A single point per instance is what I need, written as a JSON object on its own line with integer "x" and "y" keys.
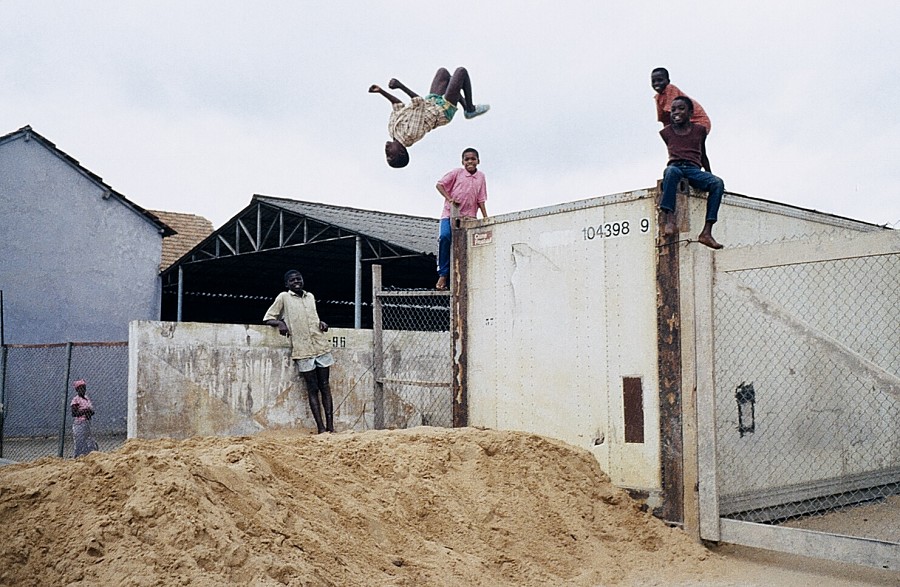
{"x": 416, "y": 507}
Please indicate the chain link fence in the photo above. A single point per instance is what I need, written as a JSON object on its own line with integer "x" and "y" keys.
{"x": 36, "y": 390}
{"x": 808, "y": 394}
{"x": 413, "y": 358}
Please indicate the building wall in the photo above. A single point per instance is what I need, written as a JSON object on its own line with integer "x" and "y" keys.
{"x": 74, "y": 266}
{"x": 558, "y": 316}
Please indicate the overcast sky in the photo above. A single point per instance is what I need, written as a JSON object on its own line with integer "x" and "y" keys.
{"x": 195, "y": 106}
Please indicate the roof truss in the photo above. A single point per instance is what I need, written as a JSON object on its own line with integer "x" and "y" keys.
{"x": 263, "y": 227}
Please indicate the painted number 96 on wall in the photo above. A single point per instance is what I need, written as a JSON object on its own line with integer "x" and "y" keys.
{"x": 616, "y": 229}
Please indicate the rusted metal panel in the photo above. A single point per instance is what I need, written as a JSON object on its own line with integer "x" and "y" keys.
{"x": 459, "y": 309}
{"x": 633, "y": 404}
{"x": 668, "y": 318}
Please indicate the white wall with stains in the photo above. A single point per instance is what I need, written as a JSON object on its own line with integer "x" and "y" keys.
{"x": 562, "y": 305}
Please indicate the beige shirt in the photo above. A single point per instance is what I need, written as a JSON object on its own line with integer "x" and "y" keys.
{"x": 302, "y": 319}
{"x": 409, "y": 123}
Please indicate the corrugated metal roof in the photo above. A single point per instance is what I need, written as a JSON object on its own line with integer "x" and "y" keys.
{"x": 415, "y": 233}
{"x": 190, "y": 228}
{"x": 29, "y": 133}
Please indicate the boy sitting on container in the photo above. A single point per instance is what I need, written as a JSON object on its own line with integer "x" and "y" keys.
{"x": 410, "y": 122}
{"x": 686, "y": 143}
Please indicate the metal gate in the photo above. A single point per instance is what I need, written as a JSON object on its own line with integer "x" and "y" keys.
{"x": 798, "y": 397}
{"x": 413, "y": 359}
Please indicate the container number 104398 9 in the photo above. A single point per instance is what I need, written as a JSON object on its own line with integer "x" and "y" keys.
{"x": 615, "y": 229}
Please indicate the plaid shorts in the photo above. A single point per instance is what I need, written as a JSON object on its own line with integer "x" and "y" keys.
{"x": 443, "y": 105}
{"x": 307, "y": 365}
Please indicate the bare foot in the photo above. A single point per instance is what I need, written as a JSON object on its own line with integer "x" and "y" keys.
{"x": 709, "y": 241}
{"x": 441, "y": 283}
{"x": 670, "y": 229}
{"x": 394, "y": 83}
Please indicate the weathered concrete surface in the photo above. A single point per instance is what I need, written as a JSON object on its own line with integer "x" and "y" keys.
{"x": 189, "y": 379}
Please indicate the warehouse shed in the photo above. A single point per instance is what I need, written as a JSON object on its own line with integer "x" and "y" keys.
{"x": 233, "y": 275}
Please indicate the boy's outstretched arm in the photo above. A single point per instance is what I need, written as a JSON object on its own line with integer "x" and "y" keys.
{"x": 376, "y": 89}
{"x": 396, "y": 84}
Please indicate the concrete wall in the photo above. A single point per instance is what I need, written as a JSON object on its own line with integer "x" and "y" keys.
{"x": 73, "y": 266}
{"x": 188, "y": 379}
{"x": 558, "y": 316}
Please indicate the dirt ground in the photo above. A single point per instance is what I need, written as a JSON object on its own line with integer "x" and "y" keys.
{"x": 879, "y": 520}
{"x": 417, "y": 507}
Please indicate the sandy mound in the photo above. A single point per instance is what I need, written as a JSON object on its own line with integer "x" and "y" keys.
{"x": 416, "y": 507}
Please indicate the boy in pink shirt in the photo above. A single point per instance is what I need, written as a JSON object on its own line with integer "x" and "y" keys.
{"x": 465, "y": 186}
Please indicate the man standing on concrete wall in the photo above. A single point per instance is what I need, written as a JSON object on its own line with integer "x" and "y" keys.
{"x": 294, "y": 314}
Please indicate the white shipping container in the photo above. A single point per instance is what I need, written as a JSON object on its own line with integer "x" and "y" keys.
{"x": 562, "y": 311}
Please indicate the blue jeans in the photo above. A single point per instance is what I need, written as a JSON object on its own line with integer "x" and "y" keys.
{"x": 699, "y": 179}
{"x": 444, "y": 248}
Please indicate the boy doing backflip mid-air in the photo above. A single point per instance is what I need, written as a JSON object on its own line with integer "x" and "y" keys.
{"x": 410, "y": 122}
{"x": 686, "y": 142}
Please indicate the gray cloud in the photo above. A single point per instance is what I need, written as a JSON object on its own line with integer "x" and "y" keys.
{"x": 196, "y": 106}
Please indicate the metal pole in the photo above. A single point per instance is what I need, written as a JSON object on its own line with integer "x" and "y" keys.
{"x": 378, "y": 348}
{"x": 2, "y": 374}
{"x": 65, "y": 403}
{"x": 454, "y": 223}
{"x": 180, "y": 293}
{"x": 357, "y": 299}
{"x": 2, "y": 394}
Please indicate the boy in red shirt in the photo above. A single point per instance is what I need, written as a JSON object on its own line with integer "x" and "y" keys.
{"x": 666, "y": 92}
{"x": 686, "y": 142}
{"x": 465, "y": 186}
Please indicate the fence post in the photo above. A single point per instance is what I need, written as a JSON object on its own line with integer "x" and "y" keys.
{"x": 378, "y": 347}
{"x": 458, "y": 313}
{"x": 357, "y": 285}
{"x": 2, "y": 394}
{"x": 65, "y": 402}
